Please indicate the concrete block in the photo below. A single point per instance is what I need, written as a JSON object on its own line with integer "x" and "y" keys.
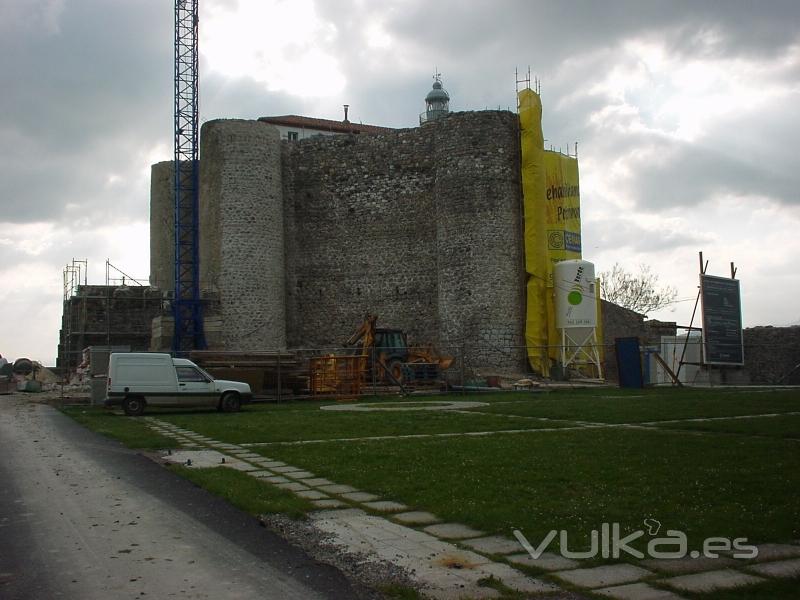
{"x": 637, "y": 591}
{"x": 517, "y": 581}
{"x": 317, "y": 482}
{"x": 337, "y": 489}
{"x": 360, "y": 497}
{"x": 293, "y": 486}
{"x": 285, "y": 469}
{"x": 604, "y": 576}
{"x": 783, "y": 568}
{"x": 386, "y": 506}
{"x": 770, "y": 552}
{"x": 299, "y": 474}
{"x": 277, "y": 479}
{"x": 328, "y": 503}
{"x": 680, "y": 566}
{"x": 311, "y": 494}
{"x": 416, "y": 517}
{"x": 493, "y": 544}
{"x": 452, "y": 531}
{"x": 547, "y": 561}
{"x": 712, "y": 580}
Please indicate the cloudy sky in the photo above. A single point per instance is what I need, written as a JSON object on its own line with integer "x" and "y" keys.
{"x": 686, "y": 114}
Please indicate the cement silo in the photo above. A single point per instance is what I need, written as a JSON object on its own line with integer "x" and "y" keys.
{"x": 576, "y": 297}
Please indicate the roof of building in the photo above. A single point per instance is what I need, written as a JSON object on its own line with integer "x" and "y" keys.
{"x": 323, "y": 124}
{"x": 438, "y": 93}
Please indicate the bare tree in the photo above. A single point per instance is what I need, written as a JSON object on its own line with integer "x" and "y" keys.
{"x": 639, "y": 292}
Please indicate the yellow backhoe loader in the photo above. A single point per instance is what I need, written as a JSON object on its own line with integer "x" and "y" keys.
{"x": 395, "y": 361}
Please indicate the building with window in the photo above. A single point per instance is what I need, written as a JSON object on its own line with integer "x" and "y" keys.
{"x": 294, "y": 127}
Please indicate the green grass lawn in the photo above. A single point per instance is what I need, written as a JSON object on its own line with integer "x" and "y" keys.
{"x": 626, "y": 406}
{"x": 132, "y": 432}
{"x": 245, "y": 492}
{"x": 734, "y": 477}
{"x": 576, "y": 480}
{"x": 268, "y": 423}
{"x": 785, "y": 426}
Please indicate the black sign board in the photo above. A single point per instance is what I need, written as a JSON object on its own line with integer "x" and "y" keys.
{"x": 722, "y": 321}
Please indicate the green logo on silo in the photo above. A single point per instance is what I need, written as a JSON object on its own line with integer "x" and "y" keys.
{"x": 575, "y": 297}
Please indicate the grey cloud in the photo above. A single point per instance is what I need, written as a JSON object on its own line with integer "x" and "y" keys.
{"x": 694, "y": 174}
{"x": 625, "y": 233}
{"x": 88, "y": 95}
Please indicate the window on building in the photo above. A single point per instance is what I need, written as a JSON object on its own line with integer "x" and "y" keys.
{"x": 292, "y": 136}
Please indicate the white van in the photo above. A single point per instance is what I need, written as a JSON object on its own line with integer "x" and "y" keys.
{"x": 139, "y": 379}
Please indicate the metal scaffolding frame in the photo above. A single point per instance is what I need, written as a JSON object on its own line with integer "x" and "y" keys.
{"x": 186, "y": 305}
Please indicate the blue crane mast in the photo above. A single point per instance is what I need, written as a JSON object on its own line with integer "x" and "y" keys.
{"x": 187, "y": 307}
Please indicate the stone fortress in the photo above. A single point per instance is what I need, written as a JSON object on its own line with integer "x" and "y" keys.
{"x": 299, "y": 239}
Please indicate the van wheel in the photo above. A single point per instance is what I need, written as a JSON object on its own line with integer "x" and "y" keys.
{"x": 133, "y": 406}
{"x": 230, "y": 402}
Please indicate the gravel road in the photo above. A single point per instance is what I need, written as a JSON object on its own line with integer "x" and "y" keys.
{"x": 82, "y": 517}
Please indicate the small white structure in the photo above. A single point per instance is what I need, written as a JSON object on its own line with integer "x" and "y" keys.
{"x": 295, "y": 128}
{"x": 575, "y": 289}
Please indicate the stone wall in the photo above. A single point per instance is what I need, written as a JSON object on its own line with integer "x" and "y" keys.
{"x": 162, "y": 225}
{"x": 360, "y": 234}
{"x": 771, "y": 354}
{"x": 242, "y": 232}
{"x": 419, "y": 226}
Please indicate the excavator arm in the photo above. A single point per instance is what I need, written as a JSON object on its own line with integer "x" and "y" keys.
{"x": 364, "y": 336}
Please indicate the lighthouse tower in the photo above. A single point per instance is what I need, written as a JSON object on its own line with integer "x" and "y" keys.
{"x": 437, "y": 102}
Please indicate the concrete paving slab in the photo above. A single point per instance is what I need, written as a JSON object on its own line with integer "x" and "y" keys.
{"x": 386, "y": 506}
{"x": 547, "y": 561}
{"x": 604, "y": 576}
{"x": 770, "y": 552}
{"x": 443, "y": 570}
{"x": 292, "y": 486}
{"x": 285, "y": 469}
{"x": 452, "y": 531}
{"x": 243, "y": 466}
{"x": 637, "y": 591}
{"x": 416, "y": 517}
{"x": 337, "y": 489}
{"x": 311, "y": 494}
{"x": 783, "y": 568}
{"x": 203, "y": 459}
{"x": 681, "y": 566}
{"x": 518, "y": 581}
{"x": 277, "y": 479}
{"x": 711, "y": 580}
{"x": 360, "y": 497}
{"x": 328, "y": 503}
{"x": 273, "y": 464}
{"x": 317, "y": 481}
{"x": 258, "y": 473}
{"x": 299, "y": 474}
{"x": 493, "y": 544}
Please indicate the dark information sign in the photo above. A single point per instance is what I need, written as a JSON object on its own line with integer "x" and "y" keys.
{"x": 722, "y": 321}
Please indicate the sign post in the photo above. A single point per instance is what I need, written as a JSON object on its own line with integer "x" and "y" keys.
{"x": 723, "y": 342}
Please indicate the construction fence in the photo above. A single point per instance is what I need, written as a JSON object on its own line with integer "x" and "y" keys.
{"x": 345, "y": 373}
